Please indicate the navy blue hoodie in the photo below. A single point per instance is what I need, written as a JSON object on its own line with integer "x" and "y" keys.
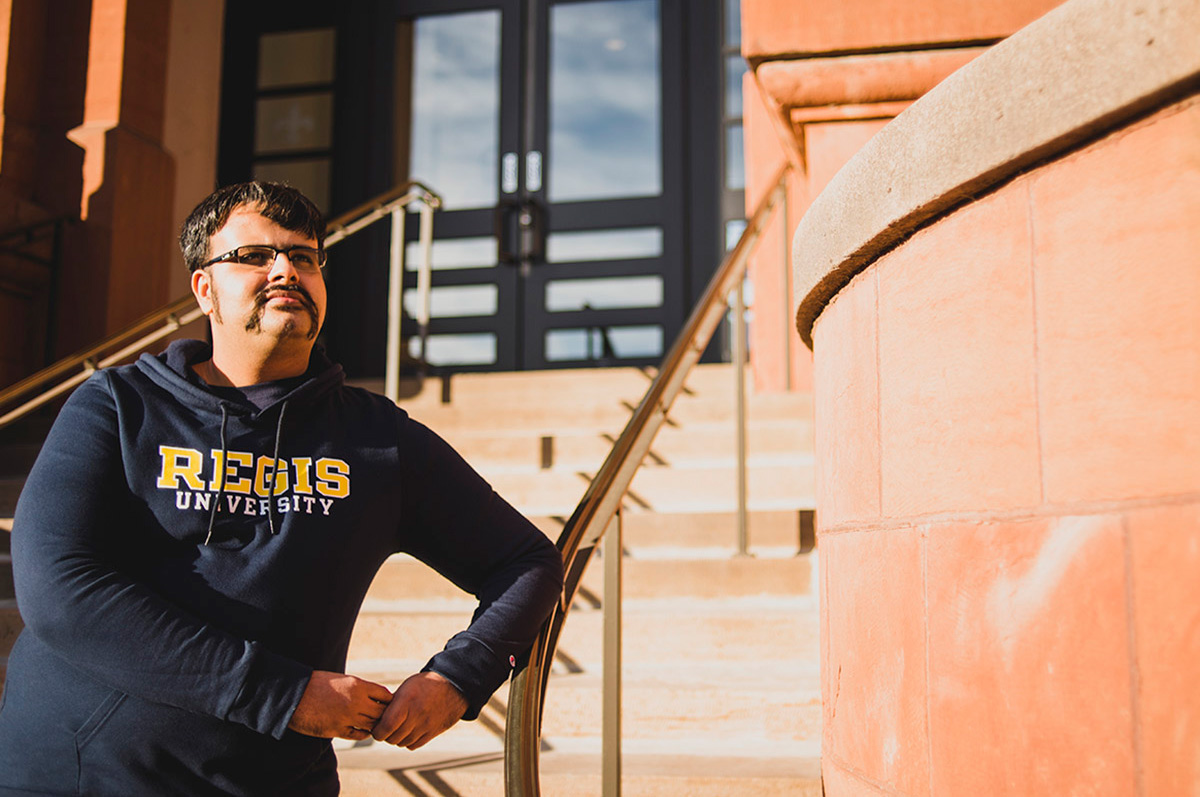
{"x": 183, "y": 560}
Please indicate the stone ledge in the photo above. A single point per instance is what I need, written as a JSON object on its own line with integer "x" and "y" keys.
{"x": 1035, "y": 95}
{"x": 860, "y": 79}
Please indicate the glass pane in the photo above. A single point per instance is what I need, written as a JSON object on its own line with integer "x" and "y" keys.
{"x": 733, "y": 231}
{"x": 290, "y": 123}
{"x": 456, "y": 107}
{"x": 295, "y": 59}
{"x": 735, "y": 67}
{"x": 604, "y": 100}
{"x": 572, "y": 344}
{"x": 604, "y": 294}
{"x": 624, "y": 244}
{"x": 733, "y": 23}
{"x": 455, "y": 301}
{"x": 450, "y": 253}
{"x": 735, "y": 166}
{"x": 588, "y": 344}
{"x": 477, "y": 348}
{"x": 310, "y": 177}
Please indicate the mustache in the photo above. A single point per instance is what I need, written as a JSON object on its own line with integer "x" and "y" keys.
{"x": 254, "y": 321}
{"x": 264, "y": 295}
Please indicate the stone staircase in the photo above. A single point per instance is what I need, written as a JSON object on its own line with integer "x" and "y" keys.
{"x": 721, "y": 690}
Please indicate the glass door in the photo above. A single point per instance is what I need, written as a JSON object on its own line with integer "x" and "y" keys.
{"x": 542, "y": 125}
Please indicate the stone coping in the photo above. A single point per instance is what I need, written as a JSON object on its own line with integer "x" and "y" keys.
{"x": 1087, "y": 66}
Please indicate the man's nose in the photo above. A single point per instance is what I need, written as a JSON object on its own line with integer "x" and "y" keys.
{"x": 282, "y": 269}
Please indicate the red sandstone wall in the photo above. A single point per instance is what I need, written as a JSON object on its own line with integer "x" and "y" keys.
{"x": 1008, "y": 445}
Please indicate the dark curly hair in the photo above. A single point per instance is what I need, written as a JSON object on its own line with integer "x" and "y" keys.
{"x": 278, "y": 202}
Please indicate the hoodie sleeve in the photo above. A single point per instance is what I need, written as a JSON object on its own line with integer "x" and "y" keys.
{"x": 75, "y": 597}
{"x": 453, "y": 521}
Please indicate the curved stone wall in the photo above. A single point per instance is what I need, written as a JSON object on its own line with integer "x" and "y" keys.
{"x": 1005, "y": 321}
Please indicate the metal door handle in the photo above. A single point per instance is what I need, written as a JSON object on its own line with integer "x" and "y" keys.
{"x": 532, "y": 221}
{"x": 505, "y": 253}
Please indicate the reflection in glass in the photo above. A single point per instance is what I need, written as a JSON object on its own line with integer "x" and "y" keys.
{"x": 588, "y": 344}
{"x": 735, "y": 67}
{"x": 476, "y": 348}
{"x": 310, "y": 176}
{"x": 455, "y": 301}
{"x": 586, "y": 245}
{"x": 299, "y": 122}
{"x": 456, "y": 102}
{"x": 604, "y": 100}
{"x": 604, "y": 294}
{"x": 296, "y": 58}
{"x": 451, "y": 253}
{"x": 735, "y": 167}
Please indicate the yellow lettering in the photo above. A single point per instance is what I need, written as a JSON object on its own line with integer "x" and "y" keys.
{"x": 303, "y": 466}
{"x": 333, "y": 477}
{"x": 228, "y": 470}
{"x": 179, "y": 463}
{"x": 260, "y": 476}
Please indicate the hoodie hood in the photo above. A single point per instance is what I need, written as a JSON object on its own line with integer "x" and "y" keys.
{"x": 172, "y": 369}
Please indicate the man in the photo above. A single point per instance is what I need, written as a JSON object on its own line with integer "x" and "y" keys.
{"x": 195, "y": 540}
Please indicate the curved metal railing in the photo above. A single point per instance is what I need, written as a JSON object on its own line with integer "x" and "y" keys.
{"x": 585, "y": 528}
{"x": 64, "y": 375}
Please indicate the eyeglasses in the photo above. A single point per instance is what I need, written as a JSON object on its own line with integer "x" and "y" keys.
{"x": 303, "y": 258}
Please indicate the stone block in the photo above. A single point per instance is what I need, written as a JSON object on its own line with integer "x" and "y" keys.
{"x": 1029, "y": 658}
{"x": 847, "y": 405}
{"x": 875, "y": 697}
{"x": 1117, "y": 280}
{"x": 957, "y": 384}
{"x": 1165, "y": 544}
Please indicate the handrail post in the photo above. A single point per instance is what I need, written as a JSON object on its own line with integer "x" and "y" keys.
{"x": 391, "y": 381}
{"x": 739, "y": 375}
{"x": 611, "y": 733}
{"x": 425, "y": 281}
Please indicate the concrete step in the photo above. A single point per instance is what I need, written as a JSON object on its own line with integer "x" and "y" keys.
{"x": 767, "y": 442}
{"x": 660, "y": 632}
{"x": 577, "y": 386}
{"x": 652, "y": 770}
{"x": 767, "y": 528}
{"x": 562, "y": 416}
{"x": 656, "y": 575}
{"x": 772, "y": 704}
{"x": 718, "y": 710}
{"x": 661, "y": 489}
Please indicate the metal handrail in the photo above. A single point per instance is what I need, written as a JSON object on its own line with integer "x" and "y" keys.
{"x": 72, "y": 370}
{"x": 586, "y": 527}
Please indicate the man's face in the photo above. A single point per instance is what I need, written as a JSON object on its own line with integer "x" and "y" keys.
{"x": 245, "y": 302}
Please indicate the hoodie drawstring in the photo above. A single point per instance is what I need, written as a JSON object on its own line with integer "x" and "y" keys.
{"x": 274, "y": 470}
{"x": 212, "y": 515}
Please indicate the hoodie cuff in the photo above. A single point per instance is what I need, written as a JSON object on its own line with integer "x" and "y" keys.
{"x": 474, "y": 669}
{"x": 270, "y": 693}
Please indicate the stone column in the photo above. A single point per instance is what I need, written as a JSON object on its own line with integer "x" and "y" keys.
{"x": 128, "y": 177}
{"x": 1001, "y": 294}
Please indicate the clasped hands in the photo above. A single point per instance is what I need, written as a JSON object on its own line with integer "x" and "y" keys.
{"x": 341, "y": 706}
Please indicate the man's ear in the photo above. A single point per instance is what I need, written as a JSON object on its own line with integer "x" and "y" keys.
{"x": 202, "y": 290}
